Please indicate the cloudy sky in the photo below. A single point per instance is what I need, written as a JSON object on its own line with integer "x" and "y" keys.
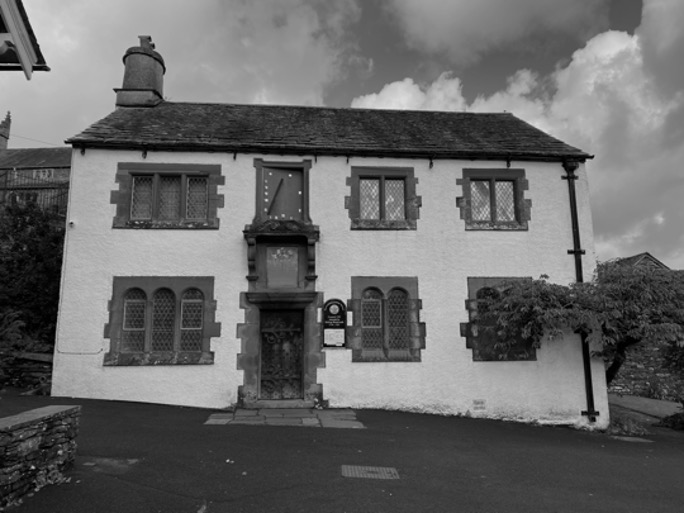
{"x": 606, "y": 76}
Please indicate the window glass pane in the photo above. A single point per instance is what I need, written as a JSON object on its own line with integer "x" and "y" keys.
{"x": 169, "y": 197}
{"x": 369, "y": 198}
{"x": 192, "y": 307}
{"x": 505, "y": 201}
{"x": 394, "y": 200}
{"x": 371, "y": 309}
{"x": 480, "y": 202}
{"x": 141, "y": 198}
{"x": 196, "y": 207}
{"x": 163, "y": 317}
{"x": 398, "y": 319}
{"x": 133, "y": 334}
{"x": 282, "y": 266}
{"x": 371, "y": 320}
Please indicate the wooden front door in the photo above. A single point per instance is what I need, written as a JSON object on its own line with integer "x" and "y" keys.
{"x": 282, "y": 346}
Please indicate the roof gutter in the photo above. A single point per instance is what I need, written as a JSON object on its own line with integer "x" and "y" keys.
{"x": 337, "y": 152}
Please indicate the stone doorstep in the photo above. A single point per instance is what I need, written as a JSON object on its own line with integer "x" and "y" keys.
{"x": 249, "y": 420}
{"x": 285, "y": 412}
{"x": 282, "y": 421}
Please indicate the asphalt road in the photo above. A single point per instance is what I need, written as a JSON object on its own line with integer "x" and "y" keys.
{"x": 146, "y": 458}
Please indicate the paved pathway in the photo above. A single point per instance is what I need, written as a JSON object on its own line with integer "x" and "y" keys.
{"x": 342, "y": 418}
{"x": 651, "y": 407}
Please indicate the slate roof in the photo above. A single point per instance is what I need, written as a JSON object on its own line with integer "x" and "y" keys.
{"x": 35, "y": 158}
{"x": 324, "y": 131}
{"x": 644, "y": 259}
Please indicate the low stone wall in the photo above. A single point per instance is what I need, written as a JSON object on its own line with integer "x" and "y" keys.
{"x": 35, "y": 448}
{"x": 646, "y": 374}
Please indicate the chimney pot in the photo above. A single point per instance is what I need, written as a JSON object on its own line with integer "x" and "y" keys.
{"x": 143, "y": 82}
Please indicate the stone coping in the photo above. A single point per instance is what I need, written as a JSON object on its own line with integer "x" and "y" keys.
{"x": 29, "y": 417}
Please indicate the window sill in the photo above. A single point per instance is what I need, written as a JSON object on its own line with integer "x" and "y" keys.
{"x": 377, "y": 224}
{"x": 167, "y": 225}
{"x": 381, "y": 357}
{"x": 158, "y": 358}
{"x": 490, "y": 226}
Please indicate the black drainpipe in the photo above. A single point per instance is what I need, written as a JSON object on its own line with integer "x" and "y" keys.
{"x": 577, "y": 251}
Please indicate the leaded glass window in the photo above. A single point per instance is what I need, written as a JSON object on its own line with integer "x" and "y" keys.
{"x": 372, "y": 319}
{"x": 163, "y": 318}
{"x": 192, "y": 318}
{"x": 493, "y": 200}
{"x": 141, "y": 200}
{"x": 133, "y": 333}
{"x": 386, "y": 319}
{"x": 169, "y": 198}
{"x": 398, "y": 319}
{"x": 197, "y": 198}
{"x": 505, "y": 200}
{"x": 382, "y": 198}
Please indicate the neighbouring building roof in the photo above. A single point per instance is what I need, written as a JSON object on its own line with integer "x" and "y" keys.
{"x": 644, "y": 259}
{"x": 35, "y": 158}
{"x": 324, "y": 131}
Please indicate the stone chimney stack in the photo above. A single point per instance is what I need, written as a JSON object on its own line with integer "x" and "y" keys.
{"x": 5, "y": 131}
{"x": 143, "y": 83}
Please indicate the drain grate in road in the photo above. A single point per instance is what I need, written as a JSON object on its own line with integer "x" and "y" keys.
{"x": 370, "y": 472}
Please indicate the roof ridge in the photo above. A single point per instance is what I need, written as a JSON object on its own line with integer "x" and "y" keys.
{"x": 327, "y": 107}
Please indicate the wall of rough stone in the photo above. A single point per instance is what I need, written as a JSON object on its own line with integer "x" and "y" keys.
{"x": 645, "y": 374}
{"x": 35, "y": 448}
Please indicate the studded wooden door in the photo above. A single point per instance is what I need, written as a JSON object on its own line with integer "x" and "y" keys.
{"x": 282, "y": 341}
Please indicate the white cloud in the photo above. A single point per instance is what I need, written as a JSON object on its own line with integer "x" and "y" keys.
{"x": 609, "y": 101}
{"x": 443, "y": 94}
{"x": 465, "y": 29}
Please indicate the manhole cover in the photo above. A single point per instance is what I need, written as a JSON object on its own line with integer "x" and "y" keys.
{"x": 370, "y": 472}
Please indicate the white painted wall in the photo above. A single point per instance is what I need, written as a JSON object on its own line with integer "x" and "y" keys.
{"x": 440, "y": 253}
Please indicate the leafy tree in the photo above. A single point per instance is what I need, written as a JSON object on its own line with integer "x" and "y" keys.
{"x": 31, "y": 243}
{"x": 621, "y": 307}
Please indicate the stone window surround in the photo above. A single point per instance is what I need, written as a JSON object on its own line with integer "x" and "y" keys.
{"x": 412, "y": 202}
{"x": 522, "y": 206}
{"x": 474, "y": 285}
{"x": 385, "y": 284}
{"x": 149, "y": 284}
{"x": 122, "y": 197}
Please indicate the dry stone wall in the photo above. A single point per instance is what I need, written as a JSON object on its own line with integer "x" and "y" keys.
{"x": 35, "y": 448}
{"x": 646, "y": 374}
